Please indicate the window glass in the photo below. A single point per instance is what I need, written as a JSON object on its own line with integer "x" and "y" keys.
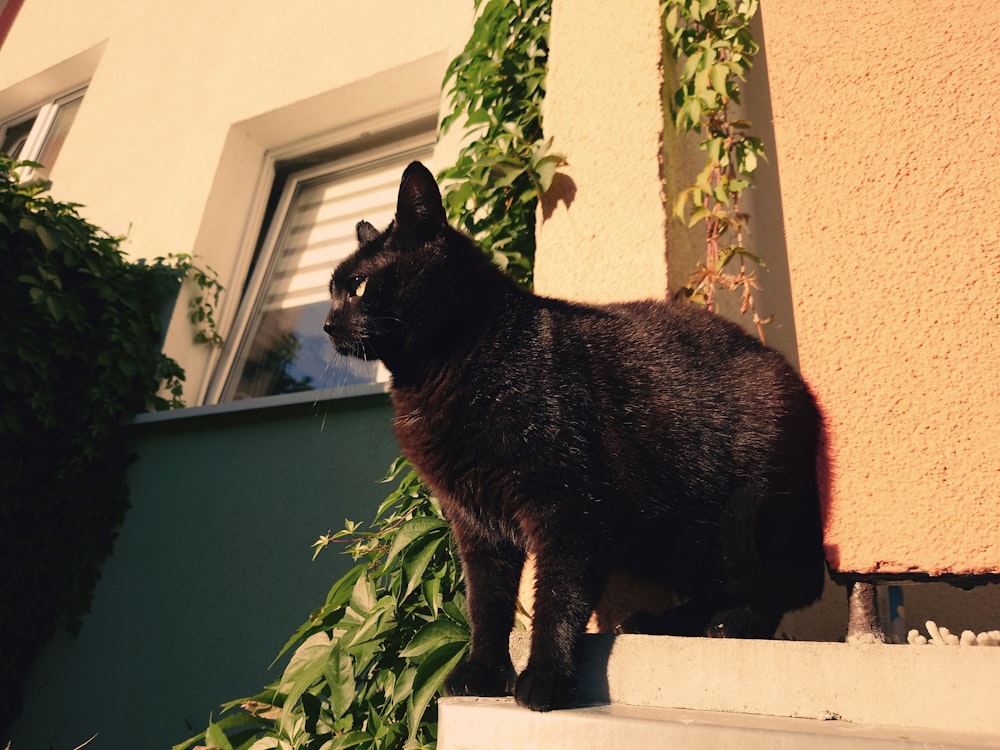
{"x": 15, "y": 136}
{"x": 58, "y": 129}
{"x": 283, "y": 348}
{"x": 39, "y": 136}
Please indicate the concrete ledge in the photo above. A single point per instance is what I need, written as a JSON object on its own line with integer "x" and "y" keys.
{"x": 499, "y": 724}
{"x": 946, "y": 688}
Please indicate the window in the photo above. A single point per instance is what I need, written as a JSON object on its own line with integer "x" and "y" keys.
{"x": 278, "y": 345}
{"x": 38, "y": 135}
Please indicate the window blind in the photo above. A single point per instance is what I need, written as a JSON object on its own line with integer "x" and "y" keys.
{"x": 320, "y": 230}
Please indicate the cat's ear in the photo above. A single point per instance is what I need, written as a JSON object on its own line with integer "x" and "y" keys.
{"x": 366, "y": 232}
{"x": 419, "y": 210}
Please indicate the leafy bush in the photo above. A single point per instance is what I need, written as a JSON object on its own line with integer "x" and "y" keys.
{"x": 80, "y": 339}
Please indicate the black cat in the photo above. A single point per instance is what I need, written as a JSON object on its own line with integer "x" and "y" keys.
{"x": 652, "y": 437}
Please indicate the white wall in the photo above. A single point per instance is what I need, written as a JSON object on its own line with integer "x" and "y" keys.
{"x": 186, "y": 100}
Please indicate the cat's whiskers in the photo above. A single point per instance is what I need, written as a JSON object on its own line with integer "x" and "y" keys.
{"x": 409, "y": 419}
{"x": 336, "y": 374}
{"x": 324, "y": 385}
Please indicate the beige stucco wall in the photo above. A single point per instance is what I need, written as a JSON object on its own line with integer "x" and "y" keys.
{"x": 602, "y": 225}
{"x": 888, "y": 145}
{"x": 187, "y": 98}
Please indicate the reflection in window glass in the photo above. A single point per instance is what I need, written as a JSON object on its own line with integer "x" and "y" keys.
{"x": 290, "y": 353}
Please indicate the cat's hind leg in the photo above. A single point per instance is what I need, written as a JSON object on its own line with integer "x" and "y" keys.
{"x": 772, "y": 553}
{"x": 716, "y": 615}
{"x": 743, "y": 622}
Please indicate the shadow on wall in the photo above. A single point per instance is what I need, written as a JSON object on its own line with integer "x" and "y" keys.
{"x": 562, "y": 190}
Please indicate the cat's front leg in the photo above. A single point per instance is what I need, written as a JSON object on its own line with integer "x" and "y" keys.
{"x": 492, "y": 571}
{"x": 568, "y": 580}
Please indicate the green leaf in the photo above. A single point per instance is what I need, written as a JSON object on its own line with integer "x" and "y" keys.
{"x": 395, "y": 468}
{"x": 341, "y": 591}
{"x": 703, "y": 181}
{"x": 216, "y": 738}
{"x": 416, "y": 562}
{"x": 455, "y": 608}
{"x": 431, "y": 589}
{"x": 681, "y": 203}
{"x": 404, "y": 686}
{"x": 363, "y": 595}
{"x": 670, "y": 20}
{"x": 697, "y": 215}
{"x": 410, "y": 531}
{"x": 48, "y": 237}
{"x": 54, "y": 307}
{"x": 742, "y": 251}
{"x": 348, "y": 739}
{"x": 719, "y": 75}
{"x": 430, "y": 679}
{"x": 371, "y": 626}
{"x": 715, "y": 148}
{"x": 308, "y": 659}
{"x": 434, "y": 635}
{"x": 307, "y": 665}
{"x": 748, "y": 162}
{"x": 339, "y": 675}
{"x": 478, "y": 117}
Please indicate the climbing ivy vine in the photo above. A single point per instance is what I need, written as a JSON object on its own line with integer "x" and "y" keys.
{"x": 497, "y": 87}
{"x": 367, "y": 666}
{"x": 711, "y": 42}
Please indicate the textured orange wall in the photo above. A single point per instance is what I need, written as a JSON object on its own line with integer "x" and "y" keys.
{"x": 887, "y": 125}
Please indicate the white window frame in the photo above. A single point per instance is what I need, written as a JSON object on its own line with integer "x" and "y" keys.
{"x": 236, "y": 342}
{"x": 45, "y": 116}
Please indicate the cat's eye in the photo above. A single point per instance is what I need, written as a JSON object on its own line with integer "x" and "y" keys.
{"x": 356, "y": 286}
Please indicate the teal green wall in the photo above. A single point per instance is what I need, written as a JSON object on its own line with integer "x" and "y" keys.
{"x": 211, "y": 572}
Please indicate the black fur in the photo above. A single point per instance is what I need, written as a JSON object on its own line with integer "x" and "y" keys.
{"x": 649, "y": 436}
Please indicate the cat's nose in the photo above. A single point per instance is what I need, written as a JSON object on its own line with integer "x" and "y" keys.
{"x": 328, "y": 326}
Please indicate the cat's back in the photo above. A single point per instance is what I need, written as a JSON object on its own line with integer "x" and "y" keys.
{"x": 670, "y": 373}
{"x": 654, "y": 341}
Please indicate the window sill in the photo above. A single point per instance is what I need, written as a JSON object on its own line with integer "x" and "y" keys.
{"x": 266, "y": 402}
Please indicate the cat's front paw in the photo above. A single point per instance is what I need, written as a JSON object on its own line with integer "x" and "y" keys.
{"x": 543, "y": 687}
{"x": 478, "y": 678}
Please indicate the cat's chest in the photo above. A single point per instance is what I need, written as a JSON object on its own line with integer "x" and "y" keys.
{"x": 448, "y": 443}
{"x": 455, "y": 419}
{"x": 463, "y": 432}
